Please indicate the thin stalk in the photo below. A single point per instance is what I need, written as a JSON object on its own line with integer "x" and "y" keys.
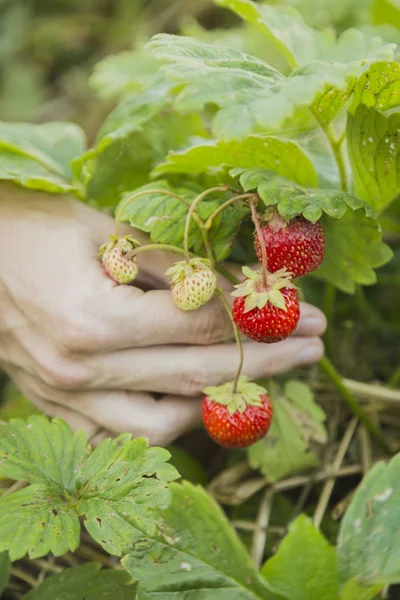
{"x": 336, "y": 146}
{"x": 352, "y": 403}
{"x": 143, "y": 193}
{"x": 237, "y": 338}
{"x": 192, "y": 208}
{"x": 261, "y": 239}
{"x": 209, "y": 222}
{"x": 150, "y": 247}
{"x": 227, "y": 274}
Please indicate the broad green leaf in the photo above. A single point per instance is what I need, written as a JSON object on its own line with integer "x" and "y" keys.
{"x": 354, "y": 591}
{"x": 292, "y": 200}
{"x": 304, "y": 567}
{"x": 369, "y": 543}
{"x": 296, "y": 430}
{"x": 5, "y": 570}
{"x": 164, "y": 217}
{"x": 353, "y": 249}
{"x": 86, "y": 582}
{"x": 374, "y": 149}
{"x": 379, "y": 87}
{"x": 115, "y": 488}
{"x": 120, "y": 484}
{"x": 38, "y": 520}
{"x": 39, "y": 451}
{"x": 298, "y": 42}
{"x": 128, "y": 71}
{"x": 38, "y": 156}
{"x": 195, "y": 552}
{"x": 386, "y": 11}
{"x": 281, "y": 156}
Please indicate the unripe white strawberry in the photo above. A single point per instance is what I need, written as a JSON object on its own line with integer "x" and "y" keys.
{"x": 117, "y": 263}
{"x": 193, "y": 283}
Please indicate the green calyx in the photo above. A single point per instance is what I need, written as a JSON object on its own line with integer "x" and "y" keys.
{"x": 126, "y": 244}
{"x": 258, "y": 294}
{"x": 247, "y": 394}
{"x": 182, "y": 269}
{"x": 274, "y": 219}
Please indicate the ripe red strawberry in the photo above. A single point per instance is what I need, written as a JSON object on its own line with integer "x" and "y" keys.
{"x": 266, "y": 314}
{"x": 297, "y": 246}
{"x": 117, "y": 263}
{"x": 236, "y": 419}
{"x": 193, "y": 283}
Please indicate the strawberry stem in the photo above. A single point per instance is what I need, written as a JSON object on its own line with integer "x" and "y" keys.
{"x": 237, "y": 338}
{"x": 264, "y": 261}
{"x": 209, "y": 222}
{"x": 149, "y": 247}
{"x": 191, "y": 211}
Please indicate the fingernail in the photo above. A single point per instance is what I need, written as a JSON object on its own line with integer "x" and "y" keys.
{"x": 310, "y": 354}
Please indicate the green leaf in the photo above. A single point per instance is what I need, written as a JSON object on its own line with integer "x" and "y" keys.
{"x": 5, "y": 570}
{"x": 188, "y": 467}
{"x": 378, "y": 88}
{"x": 249, "y": 93}
{"x": 164, "y": 217}
{"x": 39, "y": 451}
{"x": 120, "y": 484}
{"x": 296, "y": 430}
{"x": 386, "y": 11}
{"x": 38, "y": 156}
{"x": 128, "y": 71}
{"x": 374, "y": 148}
{"x": 353, "y": 249}
{"x": 194, "y": 552}
{"x": 86, "y": 582}
{"x": 354, "y": 591}
{"x": 115, "y": 488}
{"x": 283, "y": 25}
{"x": 281, "y": 156}
{"x": 292, "y": 200}
{"x": 38, "y": 520}
{"x": 315, "y": 574}
{"x": 368, "y": 544}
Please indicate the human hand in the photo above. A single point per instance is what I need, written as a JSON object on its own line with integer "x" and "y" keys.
{"x": 93, "y": 353}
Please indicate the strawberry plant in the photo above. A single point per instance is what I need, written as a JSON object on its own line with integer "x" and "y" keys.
{"x": 280, "y": 148}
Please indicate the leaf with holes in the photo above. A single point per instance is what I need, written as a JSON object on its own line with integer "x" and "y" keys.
{"x": 279, "y": 155}
{"x": 39, "y": 156}
{"x": 368, "y": 544}
{"x": 164, "y": 217}
{"x": 120, "y": 484}
{"x": 374, "y": 149}
{"x": 86, "y": 582}
{"x": 296, "y": 432}
{"x": 193, "y": 548}
{"x": 378, "y": 88}
{"x": 316, "y": 573}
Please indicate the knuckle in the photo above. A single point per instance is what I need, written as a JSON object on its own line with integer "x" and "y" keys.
{"x": 79, "y": 333}
{"x": 194, "y": 382}
{"x": 212, "y": 326}
{"x": 59, "y": 373}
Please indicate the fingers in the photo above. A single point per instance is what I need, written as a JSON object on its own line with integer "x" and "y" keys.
{"x": 312, "y": 321}
{"x": 161, "y": 421}
{"x": 186, "y": 371}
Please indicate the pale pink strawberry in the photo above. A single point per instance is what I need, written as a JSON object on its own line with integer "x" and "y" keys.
{"x": 117, "y": 262}
{"x": 193, "y": 283}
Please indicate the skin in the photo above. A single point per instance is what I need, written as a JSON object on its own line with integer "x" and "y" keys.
{"x": 94, "y": 353}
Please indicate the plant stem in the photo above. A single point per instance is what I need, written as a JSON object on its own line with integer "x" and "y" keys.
{"x": 149, "y": 247}
{"x": 237, "y": 338}
{"x": 352, "y": 403}
{"x": 227, "y": 274}
{"x": 143, "y": 193}
{"x": 192, "y": 208}
{"x": 329, "y": 306}
{"x": 336, "y": 146}
{"x": 209, "y": 222}
{"x": 261, "y": 240}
